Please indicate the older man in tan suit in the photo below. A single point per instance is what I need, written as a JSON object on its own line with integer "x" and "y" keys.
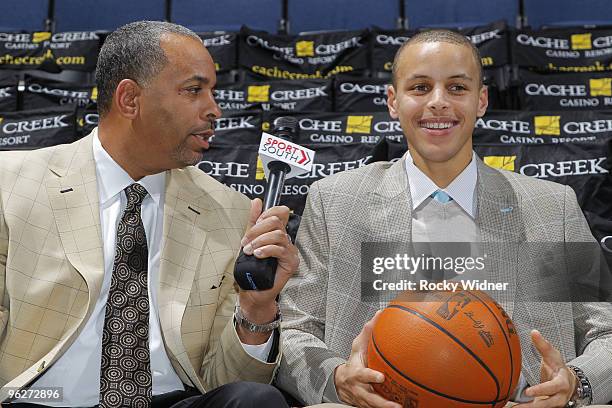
{"x": 116, "y": 259}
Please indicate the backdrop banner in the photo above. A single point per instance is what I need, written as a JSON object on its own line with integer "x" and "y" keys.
{"x": 564, "y": 50}
{"x": 284, "y": 95}
{"x": 27, "y": 130}
{"x": 544, "y": 127}
{"x": 312, "y": 56}
{"x": 576, "y": 91}
{"x": 491, "y": 41}
{"x": 223, "y": 48}
{"x": 8, "y": 94}
{"x": 49, "y": 51}
{"x": 42, "y": 93}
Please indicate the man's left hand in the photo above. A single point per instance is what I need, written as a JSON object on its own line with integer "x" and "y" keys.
{"x": 557, "y": 382}
{"x": 266, "y": 236}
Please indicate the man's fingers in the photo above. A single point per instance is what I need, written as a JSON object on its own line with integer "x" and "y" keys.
{"x": 281, "y": 211}
{"x": 367, "y": 375}
{"x": 367, "y": 397}
{"x": 275, "y": 237}
{"x": 547, "y": 388}
{"x": 550, "y": 355}
{"x": 256, "y": 207}
{"x": 543, "y": 402}
{"x": 360, "y": 343}
{"x": 272, "y": 223}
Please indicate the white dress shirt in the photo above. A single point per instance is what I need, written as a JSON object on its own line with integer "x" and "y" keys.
{"x": 77, "y": 371}
{"x": 462, "y": 189}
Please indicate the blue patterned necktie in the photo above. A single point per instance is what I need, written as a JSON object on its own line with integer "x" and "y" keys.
{"x": 441, "y": 197}
{"x": 125, "y": 374}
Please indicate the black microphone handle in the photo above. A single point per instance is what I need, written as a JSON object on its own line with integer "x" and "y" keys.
{"x": 276, "y": 181}
{"x": 250, "y": 272}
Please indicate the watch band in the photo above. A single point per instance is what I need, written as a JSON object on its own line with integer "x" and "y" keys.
{"x": 583, "y": 395}
{"x": 254, "y": 327}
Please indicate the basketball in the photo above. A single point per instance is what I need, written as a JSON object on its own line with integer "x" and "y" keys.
{"x": 445, "y": 349}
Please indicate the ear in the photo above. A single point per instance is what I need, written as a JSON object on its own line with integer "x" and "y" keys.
{"x": 392, "y": 102}
{"x": 126, "y": 99}
{"x": 483, "y": 101}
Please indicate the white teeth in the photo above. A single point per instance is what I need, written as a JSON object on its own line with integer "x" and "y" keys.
{"x": 437, "y": 125}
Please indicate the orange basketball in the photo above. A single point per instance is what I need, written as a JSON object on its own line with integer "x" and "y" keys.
{"x": 445, "y": 349}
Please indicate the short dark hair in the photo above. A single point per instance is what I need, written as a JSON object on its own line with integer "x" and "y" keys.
{"x": 133, "y": 51}
{"x": 438, "y": 35}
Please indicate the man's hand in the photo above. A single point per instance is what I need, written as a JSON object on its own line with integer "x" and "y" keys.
{"x": 557, "y": 382}
{"x": 266, "y": 237}
{"x": 353, "y": 379}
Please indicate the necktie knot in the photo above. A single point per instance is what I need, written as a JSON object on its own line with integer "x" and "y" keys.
{"x": 441, "y": 197}
{"x": 135, "y": 193}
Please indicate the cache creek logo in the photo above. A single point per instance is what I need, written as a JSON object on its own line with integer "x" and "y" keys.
{"x": 547, "y": 125}
{"x": 600, "y": 86}
{"x": 258, "y": 93}
{"x": 500, "y": 162}
{"x": 359, "y": 124}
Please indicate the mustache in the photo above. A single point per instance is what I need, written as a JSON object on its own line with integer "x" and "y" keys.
{"x": 208, "y": 126}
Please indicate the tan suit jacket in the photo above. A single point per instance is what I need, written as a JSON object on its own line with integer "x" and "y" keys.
{"x": 51, "y": 267}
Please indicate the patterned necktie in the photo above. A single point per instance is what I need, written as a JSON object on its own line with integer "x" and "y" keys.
{"x": 441, "y": 197}
{"x": 125, "y": 375}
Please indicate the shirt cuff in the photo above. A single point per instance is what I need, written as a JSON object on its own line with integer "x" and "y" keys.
{"x": 259, "y": 351}
{"x": 519, "y": 395}
{"x": 329, "y": 393}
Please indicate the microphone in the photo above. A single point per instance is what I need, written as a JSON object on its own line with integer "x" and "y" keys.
{"x": 282, "y": 159}
{"x": 285, "y": 127}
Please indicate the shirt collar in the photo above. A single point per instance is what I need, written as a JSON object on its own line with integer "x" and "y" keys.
{"x": 462, "y": 189}
{"x": 116, "y": 179}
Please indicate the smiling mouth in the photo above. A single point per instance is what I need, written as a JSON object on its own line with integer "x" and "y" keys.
{"x": 438, "y": 124}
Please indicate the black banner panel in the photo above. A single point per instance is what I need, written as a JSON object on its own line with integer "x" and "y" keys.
{"x": 360, "y": 94}
{"x": 579, "y": 165}
{"x": 87, "y": 119}
{"x": 570, "y": 91}
{"x": 543, "y": 128}
{"x": 223, "y": 48}
{"x": 43, "y": 93}
{"x": 8, "y": 94}
{"x": 283, "y": 95}
{"x": 240, "y": 168}
{"x": 238, "y": 128}
{"x": 491, "y": 41}
{"x": 313, "y": 56}
{"x": 49, "y": 51}
{"x": 342, "y": 128}
{"x": 564, "y": 50}
{"x": 27, "y": 130}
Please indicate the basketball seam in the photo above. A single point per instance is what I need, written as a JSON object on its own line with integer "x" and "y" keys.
{"x": 507, "y": 343}
{"x": 456, "y": 340}
{"x": 426, "y": 387}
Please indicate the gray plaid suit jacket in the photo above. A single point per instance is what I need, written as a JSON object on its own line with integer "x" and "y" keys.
{"x": 51, "y": 267}
{"x": 321, "y": 304}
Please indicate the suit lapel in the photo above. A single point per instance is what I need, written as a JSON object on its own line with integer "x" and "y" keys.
{"x": 185, "y": 208}
{"x": 390, "y": 207}
{"x": 502, "y": 229}
{"x": 390, "y": 217}
{"x": 73, "y": 196}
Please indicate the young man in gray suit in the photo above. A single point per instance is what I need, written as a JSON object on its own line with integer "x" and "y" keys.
{"x": 439, "y": 191}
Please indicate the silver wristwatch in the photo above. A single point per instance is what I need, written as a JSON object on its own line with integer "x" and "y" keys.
{"x": 583, "y": 395}
{"x": 254, "y": 327}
